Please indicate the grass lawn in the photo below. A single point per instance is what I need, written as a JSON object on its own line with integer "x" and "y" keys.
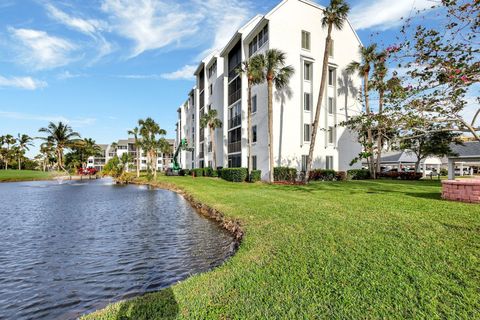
{"x": 23, "y": 175}
{"x": 333, "y": 250}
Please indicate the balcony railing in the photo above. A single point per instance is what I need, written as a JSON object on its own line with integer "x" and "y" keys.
{"x": 234, "y": 97}
{"x": 202, "y": 135}
{"x": 235, "y": 121}
{"x": 235, "y": 147}
{"x": 201, "y": 155}
{"x": 233, "y": 72}
{"x": 202, "y": 99}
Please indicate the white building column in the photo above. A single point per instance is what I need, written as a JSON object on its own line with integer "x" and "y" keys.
{"x": 461, "y": 169}
{"x": 451, "y": 169}
{"x": 424, "y": 169}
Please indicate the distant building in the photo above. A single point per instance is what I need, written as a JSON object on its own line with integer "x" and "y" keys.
{"x": 294, "y": 27}
{"x": 466, "y": 161}
{"x": 128, "y": 146}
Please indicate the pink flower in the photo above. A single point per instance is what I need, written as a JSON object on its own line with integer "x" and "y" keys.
{"x": 464, "y": 79}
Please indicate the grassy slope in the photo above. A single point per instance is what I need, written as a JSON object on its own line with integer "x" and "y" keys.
{"x": 23, "y": 175}
{"x": 330, "y": 250}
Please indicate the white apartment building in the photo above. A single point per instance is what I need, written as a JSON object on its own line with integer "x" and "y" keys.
{"x": 128, "y": 146}
{"x": 294, "y": 27}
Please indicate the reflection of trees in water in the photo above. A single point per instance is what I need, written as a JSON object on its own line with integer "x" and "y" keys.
{"x": 346, "y": 88}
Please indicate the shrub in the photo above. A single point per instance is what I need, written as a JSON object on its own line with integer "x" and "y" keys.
{"x": 402, "y": 175}
{"x": 443, "y": 172}
{"x": 358, "y": 174}
{"x": 284, "y": 174}
{"x": 198, "y": 172}
{"x": 208, "y": 172}
{"x": 341, "y": 176}
{"x": 256, "y": 176}
{"x": 235, "y": 174}
{"x": 322, "y": 175}
{"x": 215, "y": 174}
{"x": 184, "y": 172}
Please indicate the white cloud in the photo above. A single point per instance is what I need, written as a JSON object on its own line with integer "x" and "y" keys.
{"x": 27, "y": 83}
{"x": 40, "y": 51}
{"x": 65, "y": 75}
{"x": 151, "y": 24}
{"x": 384, "y": 14}
{"x": 155, "y": 24}
{"x": 90, "y": 27}
{"x": 77, "y": 122}
{"x": 185, "y": 73}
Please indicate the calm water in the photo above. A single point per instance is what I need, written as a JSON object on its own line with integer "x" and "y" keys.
{"x": 68, "y": 249}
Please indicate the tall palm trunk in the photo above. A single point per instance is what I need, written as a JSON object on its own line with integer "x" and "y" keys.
{"x": 321, "y": 93}
{"x": 19, "y": 163}
{"x": 270, "y": 125}
{"x": 380, "y": 132}
{"x": 369, "y": 130}
{"x": 138, "y": 162}
{"x": 249, "y": 126}
{"x": 214, "y": 160}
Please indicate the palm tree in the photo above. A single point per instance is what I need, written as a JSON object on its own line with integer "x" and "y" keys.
{"x": 24, "y": 142}
{"x": 61, "y": 136}
{"x": 135, "y": 132}
{"x": 211, "y": 121}
{"x": 88, "y": 148}
{"x": 335, "y": 15}
{"x": 347, "y": 88}
{"x": 274, "y": 71}
{"x": 47, "y": 152}
{"x": 9, "y": 140}
{"x": 368, "y": 56}
{"x": 379, "y": 84}
{"x": 252, "y": 68}
{"x": 149, "y": 130}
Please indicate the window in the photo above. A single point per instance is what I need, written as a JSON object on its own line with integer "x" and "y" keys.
{"x": 306, "y": 40}
{"x": 254, "y": 104}
{"x": 331, "y": 106}
{"x": 258, "y": 41}
{"x": 330, "y": 51}
{"x": 210, "y": 89}
{"x": 304, "y": 162}
{"x": 144, "y": 161}
{"x": 212, "y": 70}
{"x": 210, "y": 164}
{"x": 331, "y": 77}
{"x": 306, "y": 132}
{"x": 307, "y": 71}
{"x": 331, "y": 135}
{"x": 210, "y": 146}
{"x": 235, "y": 161}
{"x": 254, "y": 134}
{"x": 254, "y": 162}
{"x": 329, "y": 163}
{"x": 306, "y": 101}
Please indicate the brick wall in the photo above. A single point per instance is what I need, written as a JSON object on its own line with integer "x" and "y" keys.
{"x": 464, "y": 190}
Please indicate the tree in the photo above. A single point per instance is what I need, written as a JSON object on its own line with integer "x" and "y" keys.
{"x": 24, "y": 142}
{"x": 135, "y": 132}
{"x": 436, "y": 143}
{"x": 47, "y": 154}
{"x": 62, "y": 137}
{"x": 9, "y": 141}
{"x": 252, "y": 68}
{"x": 379, "y": 84}
{"x": 211, "y": 121}
{"x": 335, "y": 15}
{"x": 442, "y": 64}
{"x": 272, "y": 64}
{"x": 82, "y": 150}
{"x": 149, "y": 131}
{"x": 368, "y": 56}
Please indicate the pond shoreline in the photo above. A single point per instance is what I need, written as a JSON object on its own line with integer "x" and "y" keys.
{"x": 233, "y": 226}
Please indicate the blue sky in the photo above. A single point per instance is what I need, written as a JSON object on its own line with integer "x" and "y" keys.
{"x": 101, "y": 65}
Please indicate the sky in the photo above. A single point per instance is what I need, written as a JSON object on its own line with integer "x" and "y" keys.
{"x": 100, "y": 65}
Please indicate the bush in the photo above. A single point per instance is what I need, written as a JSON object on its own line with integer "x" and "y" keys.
{"x": 322, "y": 175}
{"x": 443, "y": 172}
{"x": 235, "y": 174}
{"x": 184, "y": 172}
{"x": 215, "y": 174}
{"x": 358, "y": 174}
{"x": 341, "y": 176}
{"x": 208, "y": 172}
{"x": 284, "y": 174}
{"x": 198, "y": 172}
{"x": 256, "y": 176}
{"x": 402, "y": 175}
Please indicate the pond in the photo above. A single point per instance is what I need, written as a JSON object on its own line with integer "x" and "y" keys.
{"x": 70, "y": 248}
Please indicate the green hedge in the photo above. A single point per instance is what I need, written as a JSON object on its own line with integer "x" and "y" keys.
{"x": 327, "y": 175}
{"x": 198, "y": 172}
{"x": 256, "y": 176}
{"x": 234, "y": 174}
{"x": 284, "y": 174}
{"x": 358, "y": 174}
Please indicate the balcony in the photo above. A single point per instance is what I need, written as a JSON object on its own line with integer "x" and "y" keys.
{"x": 235, "y": 147}
{"x": 233, "y": 72}
{"x": 202, "y": 99}
{"x": 201, "y": 155}
{"x": 235, "y": 121}
{"x": 202, "y": 135}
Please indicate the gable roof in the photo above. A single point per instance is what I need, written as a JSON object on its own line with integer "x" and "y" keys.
{"x": 470, "y": 149}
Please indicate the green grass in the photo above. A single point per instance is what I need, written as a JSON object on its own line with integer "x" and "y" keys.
{"x": 335, "y": 250}
{"x": 23, "y": 175}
